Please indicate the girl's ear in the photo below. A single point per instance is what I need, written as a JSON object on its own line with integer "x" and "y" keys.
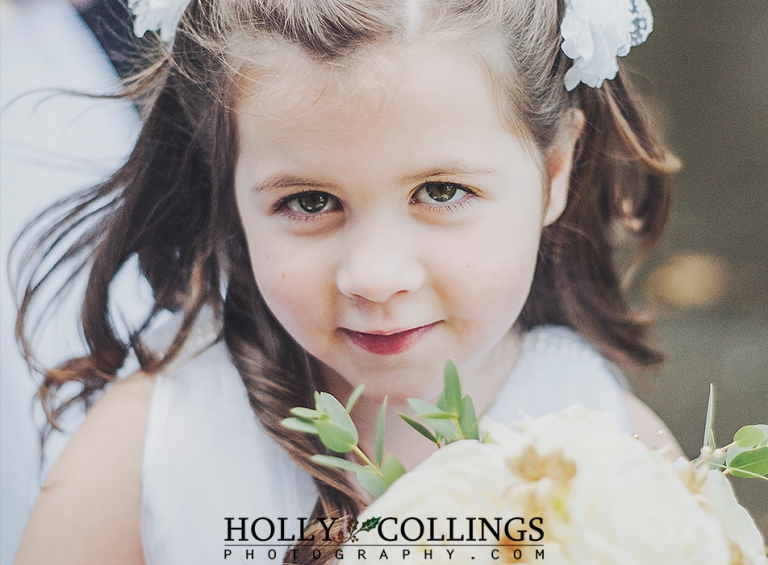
{"x": 560, "y": 162}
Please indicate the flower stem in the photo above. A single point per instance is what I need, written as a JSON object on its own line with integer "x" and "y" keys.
{"x": 367, "y": 461}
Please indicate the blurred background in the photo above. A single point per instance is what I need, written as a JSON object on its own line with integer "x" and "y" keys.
{"x": 51, "y": 144}
{"x": 703, "y": 74}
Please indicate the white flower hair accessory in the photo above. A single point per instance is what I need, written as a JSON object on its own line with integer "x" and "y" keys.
{"x": 157, "y": 15}
{"x": 596, "y": 32}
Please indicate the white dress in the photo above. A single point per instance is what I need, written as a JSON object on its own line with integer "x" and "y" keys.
{"x": 207, "y": 459}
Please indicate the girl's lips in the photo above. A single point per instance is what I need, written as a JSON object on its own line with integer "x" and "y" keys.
{"x": 388, "y": 344}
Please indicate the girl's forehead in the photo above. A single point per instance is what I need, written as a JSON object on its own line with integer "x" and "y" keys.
{"x": 374, "y": 83}
{"x": 391, "y": 116}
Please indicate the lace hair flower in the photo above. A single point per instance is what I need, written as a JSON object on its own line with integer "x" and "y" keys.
{"x": 596, "y": 32}
{"x": 157, "y": 15}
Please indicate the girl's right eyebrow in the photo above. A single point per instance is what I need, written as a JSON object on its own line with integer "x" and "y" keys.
{"x": 284, "y": 180}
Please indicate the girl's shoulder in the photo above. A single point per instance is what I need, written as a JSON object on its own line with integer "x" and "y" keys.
{"x": 96, "y": 481}
{"x": 148, "y": 443}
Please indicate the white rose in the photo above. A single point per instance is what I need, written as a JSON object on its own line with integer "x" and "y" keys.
{"x": 735, "y": 520}
{"x": 576, "y": 427}
{"x": 627, "y": 503}
{"x": 463, "y": 479}
{"x": 604, "y": 497}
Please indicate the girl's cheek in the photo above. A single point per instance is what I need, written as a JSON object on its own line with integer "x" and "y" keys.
{"x": 497, "y": 278}
{"x": 294, "y": 284}
{"x": 282, "y": 300}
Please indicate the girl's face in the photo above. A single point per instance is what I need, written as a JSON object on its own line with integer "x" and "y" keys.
{"x": 394, "y": 224}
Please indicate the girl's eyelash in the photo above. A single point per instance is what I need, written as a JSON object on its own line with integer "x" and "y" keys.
{"x": 466, "y": 200}
{"x": 455, "y": 206}
{"x": 281, "y": 206}
{"x": 295, "y": 217}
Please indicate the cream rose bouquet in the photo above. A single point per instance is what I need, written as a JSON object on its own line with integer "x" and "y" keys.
{"x": 567, "y": 488}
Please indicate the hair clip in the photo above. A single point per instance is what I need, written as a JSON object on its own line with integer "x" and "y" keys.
{"x": 157, "y": 15}
{"x": 596, "y": 32}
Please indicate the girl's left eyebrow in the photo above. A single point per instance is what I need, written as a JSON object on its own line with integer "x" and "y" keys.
{"x": 450, "y": 170}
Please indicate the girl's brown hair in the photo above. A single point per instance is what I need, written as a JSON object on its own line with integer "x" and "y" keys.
{"x": 172, "y": 204}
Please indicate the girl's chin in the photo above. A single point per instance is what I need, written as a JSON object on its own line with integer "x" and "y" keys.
{"x": 396, "y": 384}
{"x": 400, "y": 390}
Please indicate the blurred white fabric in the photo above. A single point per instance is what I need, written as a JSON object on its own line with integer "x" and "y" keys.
{"x": 51, "y": 145}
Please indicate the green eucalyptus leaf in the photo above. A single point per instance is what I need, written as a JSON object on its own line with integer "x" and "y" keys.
{"x": 337, "y": 463}
{"x": 335, "y": 437}
{"x": 749, "y": 436}
{"x": 371, "y": 482}
{"x": 421, "y": 407}
{"x": 392, "y": 469}
{"x": 709, "y": 435}
{"x": 445, "y": 427}
{"x": 300, "y": 425}
{"x": 381, "y": 422}
{"x": 452, "y": 388}
{"x": 752, "y": 463}
{"x": 306, "y": 413}
{"x": 733, "y": 451}
{"x": 439, "y": 416}
{"x": 442, "y": 403}
{"x": 764, "y": 429}
{"x": 448, "y": 428}
{"x": 338, "y": 413}
{"x": 468, "y": 419}
{"x": 353, "y": 398}
{"x": 418, "y": 427}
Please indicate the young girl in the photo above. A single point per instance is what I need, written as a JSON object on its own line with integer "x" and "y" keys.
{"x": 330, "y": 194}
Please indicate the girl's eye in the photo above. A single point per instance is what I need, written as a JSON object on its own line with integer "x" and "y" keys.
{"x": 310, "y": 203}
{"x": 440, "y": 193}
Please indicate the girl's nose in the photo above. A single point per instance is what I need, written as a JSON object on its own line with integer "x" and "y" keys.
{"x": 378, "y": 264}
